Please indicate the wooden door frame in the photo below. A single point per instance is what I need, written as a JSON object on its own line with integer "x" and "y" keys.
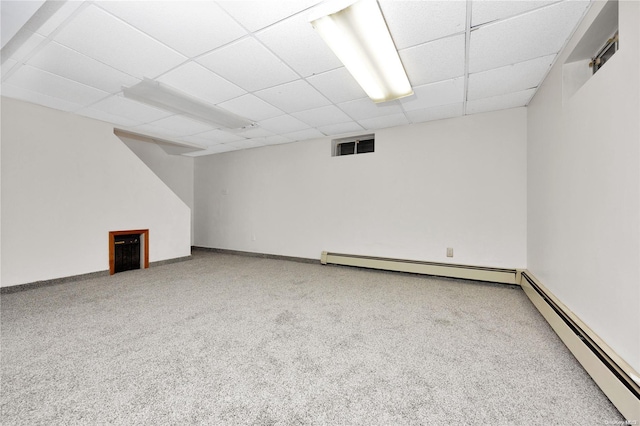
{"x": 112, "y": 247}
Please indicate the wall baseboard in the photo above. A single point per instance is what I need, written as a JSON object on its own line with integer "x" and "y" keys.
{"x": 54, "y": 281}
{"x": 254, "y": 254}
{"x": 170, "y": 261}
{"x": 467, "y": 272}
{"x": 81, "y": 277}
{"x": 617, "y": 379}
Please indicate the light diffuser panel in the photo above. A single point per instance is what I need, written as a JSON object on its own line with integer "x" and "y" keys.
{"x": 359, "y": 37}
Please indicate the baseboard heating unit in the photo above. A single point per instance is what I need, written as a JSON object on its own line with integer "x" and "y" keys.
{"x": 617, "y": 379}
{"x": 468, "y": 272}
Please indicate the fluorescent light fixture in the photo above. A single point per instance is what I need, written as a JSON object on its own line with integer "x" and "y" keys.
{"x": 358, "y": 34}
{"x": 169, "y": 99}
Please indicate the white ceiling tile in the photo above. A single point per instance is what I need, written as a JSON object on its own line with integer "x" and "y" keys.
{"x": 182, "y": 125}
{"x": 365, "y": 108}
{"x": 304, "y": 135}
{"x": 415, "y": 22}
{"x": 256, "y": 132}
{"x": 14, "y": 15}
{"x": 221, "y": 148}
{"x": 511, "y": 100}
{"x": 7, "y": 66}
{"x": 435, "y": 61}
{"x": 119, "y": 105}
{"x": 283, "y": 124}
{"x": 295, "y": 41}
{"x": 384, "y": 122}
{"x": 48, "y": 84}
{"x": 434, "y": 94}
{"x": 322, "y": 116}
{"x": 197, "y": 81}
{"x": 251, "y": 107}
{"x": 107, "y": 39}
{"x": 338, "y": 85}
{"x": 213, "y": 137}
{"x": 248, "y": 64}
{"x": 245, "y": 144}
{"x": 67, "y": 9}
{"x": 15, "y": 92}
{"x": 483, "y": 11}
{"x": 151, "y": 130}
{"x": 202, "y": 142}
{"x": 116, "y": 120}
{"x": 255, "y": 15}
{"x": 512, "y": 78}
{"x": 292, "y": 97}
{"x": 436, "y": 113}
{"x": 192, "y": 139}
{"x": 338, "y": 129}
{"x": 62, "y": 61}
{"x": 276, "y": 140}
{"x": 190, "y": 27}
{"x": 200, "y": 153}
{"x": 95, "y": 51}
{"x": 32, "y": 42}
{"x": 534, "y": 34}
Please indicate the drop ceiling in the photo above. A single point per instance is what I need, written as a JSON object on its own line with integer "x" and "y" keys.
{"x": 262, "y": 60}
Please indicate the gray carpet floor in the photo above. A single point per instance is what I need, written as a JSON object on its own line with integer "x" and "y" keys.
{"x": 226, "y": 339}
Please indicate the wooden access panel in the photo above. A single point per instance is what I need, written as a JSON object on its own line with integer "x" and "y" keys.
{"x": 144, "y": 246}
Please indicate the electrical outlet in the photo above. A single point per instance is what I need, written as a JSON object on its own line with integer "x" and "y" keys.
{"x": 449, "y": 251}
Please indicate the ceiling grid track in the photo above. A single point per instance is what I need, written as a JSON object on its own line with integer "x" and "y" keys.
{"x": 467, "y": 48}
{"x": 267, "y": 64}
{"x": 39, "y": 18}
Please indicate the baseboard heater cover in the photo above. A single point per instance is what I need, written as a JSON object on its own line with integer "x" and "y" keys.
{"x": 618, "y": 380}
{"x": 469, "y": 272}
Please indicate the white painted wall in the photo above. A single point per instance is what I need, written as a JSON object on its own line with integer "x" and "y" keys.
{"x": 584, "y": 190}
{"x": 66, "y": 182}
{"x": 176, "y": 171}
{"x": 453, "y": 183}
